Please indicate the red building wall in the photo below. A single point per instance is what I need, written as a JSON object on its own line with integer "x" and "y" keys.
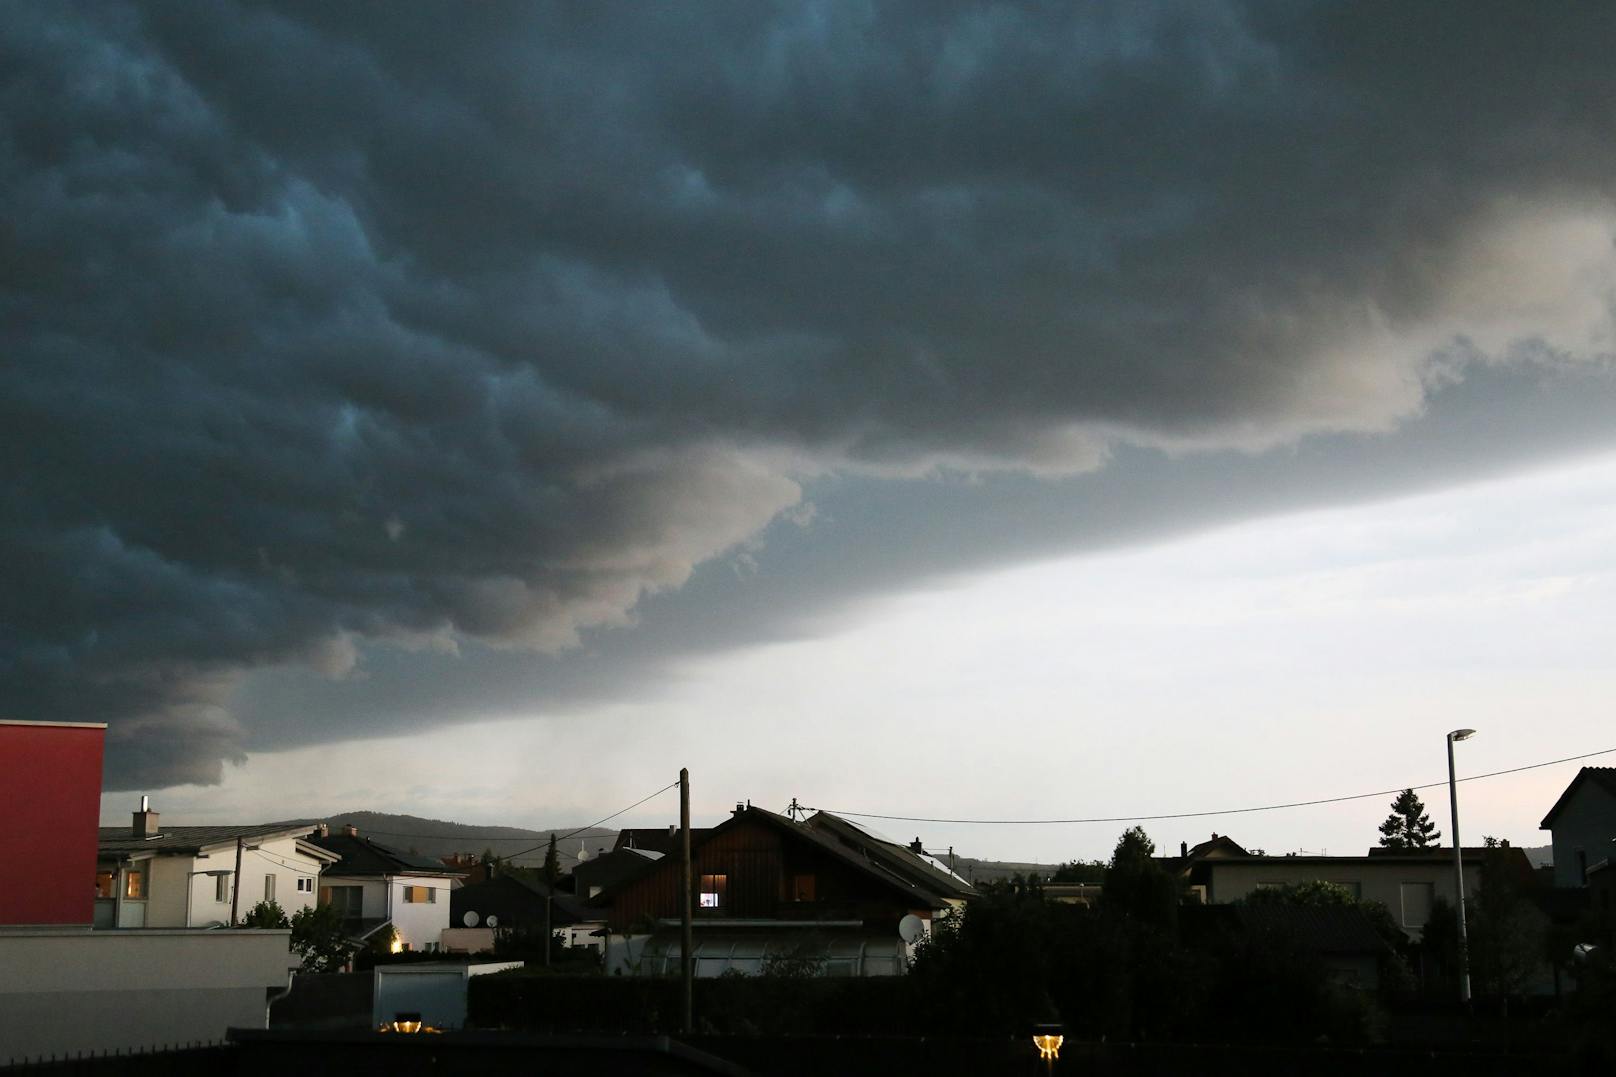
{"x": 50, "y": 806}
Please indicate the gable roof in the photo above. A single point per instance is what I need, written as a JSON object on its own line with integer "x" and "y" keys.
{"x": 518, "y": 902}
{"x": 362, "y": 856}
{"x": 1603, "y": 777}
{"x": 178, "y": 840}
{"x": 916, "y": 870}
{"x": 887, "y": 862}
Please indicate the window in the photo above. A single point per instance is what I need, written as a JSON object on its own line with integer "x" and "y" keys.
{"x": 802, "y": 888}
{"x": 1416, "y": 900}
{"x": 347, "y": 900}
{"x": 134, "y": 885}
{"x": 221, "y": 888}
{"x": 269, "y": 888}
{"x": 105, "y": 884}
{"x": 1353, "y": 888}
{"x": 305, "y": 884}
{"x": 420, "y": 895}
{"x": 713, "y": 889}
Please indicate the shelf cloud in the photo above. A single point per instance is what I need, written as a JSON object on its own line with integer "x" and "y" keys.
{"x": 325, "y": 330}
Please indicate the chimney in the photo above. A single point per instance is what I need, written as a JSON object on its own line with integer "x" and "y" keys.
{"x": 1183, "y": 848}
{"x": 144, "y": 822}
{"x": 323, "y": 830}
{"x": 351, "y": 830}
{"x": 916, "y": 847}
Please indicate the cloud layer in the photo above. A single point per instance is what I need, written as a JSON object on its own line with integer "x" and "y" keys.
{"x": 323, "y": 329}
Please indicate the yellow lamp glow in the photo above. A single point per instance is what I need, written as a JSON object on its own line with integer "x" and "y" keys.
{"x": 396, "y": 946}
{"x": 1048, "y": 1046}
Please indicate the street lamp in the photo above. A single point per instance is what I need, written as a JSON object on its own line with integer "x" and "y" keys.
{"x": 1458, "y": 867}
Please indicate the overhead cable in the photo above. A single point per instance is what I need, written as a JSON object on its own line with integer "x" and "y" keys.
{"x": 1204, "y": 814}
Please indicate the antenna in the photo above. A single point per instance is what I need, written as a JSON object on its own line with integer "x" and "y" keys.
{"x": 794, "y": 809}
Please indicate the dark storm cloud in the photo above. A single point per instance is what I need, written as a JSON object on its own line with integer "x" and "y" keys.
{"x": 483, "y": 322}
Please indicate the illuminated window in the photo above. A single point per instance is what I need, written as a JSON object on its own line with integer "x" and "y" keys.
{"x": 105, "y": 884}
{"x": 134, "y": 885}
{"x": 221, "y": 888}
{"x": 420, "y": 895}
{"x": 713, "y": 890}
{"x": 802, "y": 888}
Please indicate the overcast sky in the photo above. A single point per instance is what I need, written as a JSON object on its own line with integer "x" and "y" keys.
{"x": 481, "y": 410}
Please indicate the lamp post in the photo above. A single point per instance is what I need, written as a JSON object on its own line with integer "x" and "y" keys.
{"x": 1458, "y": 867}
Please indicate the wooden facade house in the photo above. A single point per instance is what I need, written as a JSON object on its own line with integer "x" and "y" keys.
{"x": 825, "y": 891}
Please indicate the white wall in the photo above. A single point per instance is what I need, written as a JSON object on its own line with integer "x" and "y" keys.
{"x": 70, "y": 991}
{"x": 169, "y": 877}
{"x": 420, "y": 925}
{"x": 279, "y": 857}
{"x": 1375, "y": 879}
{"x": 1585, "y": 826}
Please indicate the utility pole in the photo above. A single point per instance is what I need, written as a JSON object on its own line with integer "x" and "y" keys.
{"x": 235, "y": 889}
{"x": 549, "y": 938}
{"x": 687, "y": 965}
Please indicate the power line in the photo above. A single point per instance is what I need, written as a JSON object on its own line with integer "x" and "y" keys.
{"x": 597, "y": 822}
{"x": 1203, "y": 814}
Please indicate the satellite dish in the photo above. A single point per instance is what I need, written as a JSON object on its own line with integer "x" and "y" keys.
{"x": 910, "y": 928}
{"x": 493, "y": 921}
{"x": 470, "y": 919}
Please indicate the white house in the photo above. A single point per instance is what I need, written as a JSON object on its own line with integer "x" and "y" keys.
{"x": 149, "y": 875}
{"x": 375, "y": 886}
{"x": 1583, "y": 825}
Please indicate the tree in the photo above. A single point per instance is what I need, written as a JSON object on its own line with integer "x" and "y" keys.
{"x": 1507, "y": 931}
{"x": 1408, "y": 827}
{"x": 552, "y": 863}
{"x": 1136, "y": 885}
{"x": 319, "y": 940}
{"x": 264, "y": 914}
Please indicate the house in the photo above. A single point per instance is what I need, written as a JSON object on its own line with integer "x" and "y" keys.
{"x": 1583, "y": 825}
{"x": 66, "y": 988}
{"x": 605, "y": 871}
{"x": 1191, "y": 866}
{"x": 509, "y": 904}
{"x": 1406, "y": 881}
{"x": 150, "y": 875}
{"x": 376, "y": 887}
{"x": 50, "y": 798}
{"x": 825, "y": 891}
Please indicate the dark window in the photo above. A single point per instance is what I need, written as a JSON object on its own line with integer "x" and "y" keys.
{"x": 802, "y": 888}
{"x": 347, "y": 900}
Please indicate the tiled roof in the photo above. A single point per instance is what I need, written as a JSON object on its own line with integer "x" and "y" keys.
{"x": 1604, "y": 777}
{"x": 192, "y": 839}
{"x": 891, "y": 863}
{"x": 361, "y": 856}
{"x": 518, "y": 902}
{"x": 892, "y": 858}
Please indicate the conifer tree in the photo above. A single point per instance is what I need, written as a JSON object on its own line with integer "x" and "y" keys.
{"x": 1408, "y": 827}
{"x": 552, "y": 863}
